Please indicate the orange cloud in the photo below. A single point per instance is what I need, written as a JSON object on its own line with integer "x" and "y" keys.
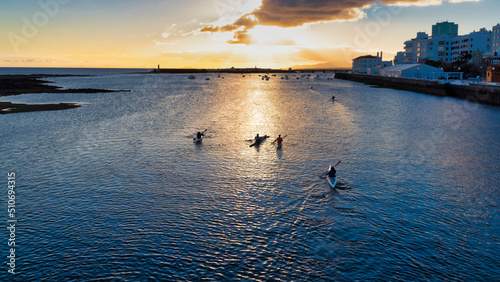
{"x": 241, "y": 37}
{"x": 292, "y": 13}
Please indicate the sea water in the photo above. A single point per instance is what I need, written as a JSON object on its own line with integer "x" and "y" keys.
{"x": 118, "y": 190}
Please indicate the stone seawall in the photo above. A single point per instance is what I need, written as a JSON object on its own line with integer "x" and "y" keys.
{"x": 485, "y": 94}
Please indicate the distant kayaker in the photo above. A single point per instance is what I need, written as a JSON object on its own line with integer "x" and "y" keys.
{"x": 198, "y": 135}
{"x": 332, "y": 172}
{"x": 258, "y": 140}
{"x": 279, "y": 139}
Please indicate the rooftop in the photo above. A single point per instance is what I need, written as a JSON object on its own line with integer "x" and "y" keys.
{"x": 407, "y": 66}
{"x": 365, "y": 57}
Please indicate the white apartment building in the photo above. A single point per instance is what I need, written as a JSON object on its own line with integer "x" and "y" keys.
{"x": 428, "y": 47}
{"x": 446, "y": 45}
{"x": 369, "y": 64}
{"x": 468, "y": 44}
{"x": 364, "y": 63}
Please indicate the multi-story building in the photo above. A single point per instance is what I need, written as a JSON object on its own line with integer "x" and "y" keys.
{"x": 468, "y": 44}
{"x": 363, "y": 64}
{"x": 446, "y": 45}
{"x": 495, "y": 40}
{"x": 369, "y": 64}
{"x": 444, "y": 28}
{"x": 426, "y": 47}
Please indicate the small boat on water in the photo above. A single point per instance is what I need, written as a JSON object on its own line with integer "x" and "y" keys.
{"x": 198, "y": 138}
{"x": 191, "y": 77}
{"x": 259, "y": 140}
{"x": 331, "y": 178}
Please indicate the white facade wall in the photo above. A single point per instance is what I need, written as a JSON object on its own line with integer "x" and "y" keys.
{"x": 365, "y": 63}
{"x": 468, "y": 44}
{"x": 399, "y": 58}
{"x": 385, "y": 64}
{"x": 425, "y": 47}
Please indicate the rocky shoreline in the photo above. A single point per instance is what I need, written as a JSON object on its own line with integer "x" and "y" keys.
{"x": 31, "y": 84}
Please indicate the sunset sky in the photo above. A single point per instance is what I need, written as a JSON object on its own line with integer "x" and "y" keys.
{"x": 221, "y": 33}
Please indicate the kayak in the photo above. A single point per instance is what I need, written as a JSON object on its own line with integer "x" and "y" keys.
{"x": 259, "y": 140}
{"x": 198, "y": 137}
{"x": 279, "y": 146}
{"x": 331, "y": 180}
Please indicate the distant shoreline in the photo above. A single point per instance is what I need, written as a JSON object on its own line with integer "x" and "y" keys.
{"x": 245, "y": 70}
{"x": 11, "y": 85}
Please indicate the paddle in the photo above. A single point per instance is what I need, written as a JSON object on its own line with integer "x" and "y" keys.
{"x": 324, "y": 174}
{"x": 201, "y": 133}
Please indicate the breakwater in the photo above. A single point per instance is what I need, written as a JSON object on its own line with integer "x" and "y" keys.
{"x": 485, "y": 94}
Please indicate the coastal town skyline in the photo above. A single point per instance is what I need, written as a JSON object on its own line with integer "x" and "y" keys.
{"x": 222, "y": 33}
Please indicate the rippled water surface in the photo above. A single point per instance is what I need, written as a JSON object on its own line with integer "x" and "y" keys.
{"x": 117, "y": 190}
